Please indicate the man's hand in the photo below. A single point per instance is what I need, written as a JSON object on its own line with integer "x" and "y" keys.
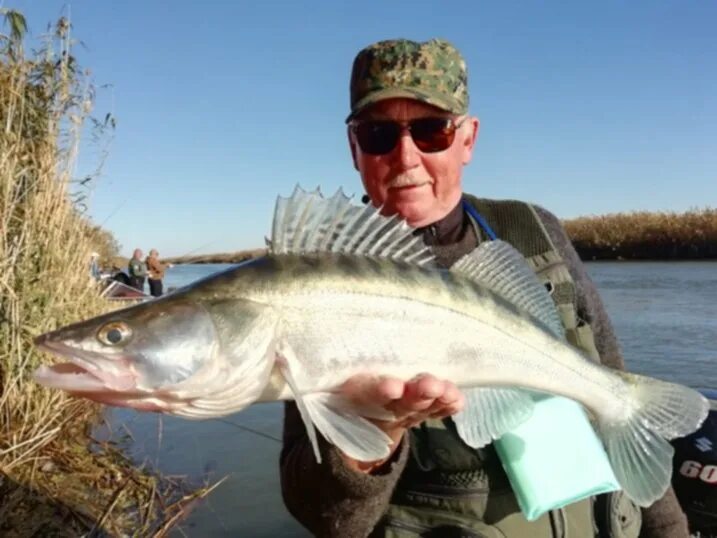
{"x": 411, "y": 402}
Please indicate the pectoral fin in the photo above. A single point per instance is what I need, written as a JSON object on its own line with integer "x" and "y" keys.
{"x": 490, "y": 412}
{"x": 333, "y": 416}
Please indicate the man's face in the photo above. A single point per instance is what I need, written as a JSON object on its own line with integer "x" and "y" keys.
{"x": 421, "y": 187}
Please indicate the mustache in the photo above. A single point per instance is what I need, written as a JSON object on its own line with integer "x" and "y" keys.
{"x": 407, "y": 180}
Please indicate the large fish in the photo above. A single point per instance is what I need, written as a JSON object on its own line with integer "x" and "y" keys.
{"x": 345, "y": 290}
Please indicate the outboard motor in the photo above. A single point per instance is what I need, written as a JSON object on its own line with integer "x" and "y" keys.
{"x": 122, "y": 277}
{"x": 694, "y": 477}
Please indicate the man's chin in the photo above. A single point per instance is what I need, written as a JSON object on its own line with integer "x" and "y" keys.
{"x": 416, "y": 213}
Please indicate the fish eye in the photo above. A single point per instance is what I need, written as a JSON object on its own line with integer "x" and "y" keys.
{"x": 114, "y": 333}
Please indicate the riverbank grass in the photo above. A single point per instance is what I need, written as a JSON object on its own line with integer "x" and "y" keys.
{"x": 54, "y": 480}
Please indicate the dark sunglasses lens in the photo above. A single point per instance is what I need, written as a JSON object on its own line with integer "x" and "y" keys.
{"x": 432, "y": 134}
{"x": 377, "y": 137}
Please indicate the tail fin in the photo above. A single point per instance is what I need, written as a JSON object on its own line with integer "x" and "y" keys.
{"x": 638, "y": 447}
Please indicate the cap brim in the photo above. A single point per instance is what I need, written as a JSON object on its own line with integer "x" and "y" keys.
{"x": 396, "y": 93}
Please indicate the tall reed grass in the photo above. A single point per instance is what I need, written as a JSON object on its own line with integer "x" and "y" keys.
{"x": 45, "y": 244}
{"x": 646, "y": 235}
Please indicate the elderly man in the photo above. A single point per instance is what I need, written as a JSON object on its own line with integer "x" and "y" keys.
{"x": 410, "y": 136}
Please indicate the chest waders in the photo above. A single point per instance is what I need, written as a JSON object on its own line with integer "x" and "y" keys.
{"x": 450, "y": 490}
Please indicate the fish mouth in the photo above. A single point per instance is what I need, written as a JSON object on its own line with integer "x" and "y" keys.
{"x": 93, "y": 376}
{"x": 82, "y": 373}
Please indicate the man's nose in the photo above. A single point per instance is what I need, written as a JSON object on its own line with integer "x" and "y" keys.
{"x": 406, "y": 152}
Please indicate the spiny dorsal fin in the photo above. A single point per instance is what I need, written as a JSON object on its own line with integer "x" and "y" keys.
{"x": 500, "y": 267}
{"x": 308, "y": 223}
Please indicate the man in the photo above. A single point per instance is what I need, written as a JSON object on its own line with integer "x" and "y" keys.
{"x": 156, "y": 273}
{"x": 410, "y": 136}
{"x": 137, "y": 270}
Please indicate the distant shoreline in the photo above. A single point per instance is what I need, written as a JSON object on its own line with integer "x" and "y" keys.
{"x": 225, "y": 257}
{"x": 637, "y": 236}
{"x": 588, "y": 254}
{"x": 644, "y": 236}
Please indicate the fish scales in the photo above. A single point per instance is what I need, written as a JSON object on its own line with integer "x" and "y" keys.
{"x": 377, "y": 310}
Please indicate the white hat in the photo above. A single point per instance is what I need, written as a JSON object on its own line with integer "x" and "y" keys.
{"x": 94, "y": 255}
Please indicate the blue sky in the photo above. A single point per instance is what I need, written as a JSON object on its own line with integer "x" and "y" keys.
{"x": 585, "y": 107}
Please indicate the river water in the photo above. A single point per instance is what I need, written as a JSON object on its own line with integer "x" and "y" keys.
{"x": 665, "y": 315}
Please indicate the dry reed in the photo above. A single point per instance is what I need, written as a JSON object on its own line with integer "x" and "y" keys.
{"x": 646, "y": 235}
{"x": 53, "y": 480}
{"x": 228, "y": 257}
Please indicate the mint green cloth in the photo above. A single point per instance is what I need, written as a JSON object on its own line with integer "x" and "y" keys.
{"x": 555, "y": 458}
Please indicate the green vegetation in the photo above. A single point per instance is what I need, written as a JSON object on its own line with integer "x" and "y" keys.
{"x": 54, "y": 479}
{"x": 645, "y": 235}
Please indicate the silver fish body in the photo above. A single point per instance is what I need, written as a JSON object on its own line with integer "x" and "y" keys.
{"x": 345, "y": 316}
{"x": 346, "y": 291}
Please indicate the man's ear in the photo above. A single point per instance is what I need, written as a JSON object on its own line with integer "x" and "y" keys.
{"x": 470, "y": 137}
{"x": 352, "y": 145}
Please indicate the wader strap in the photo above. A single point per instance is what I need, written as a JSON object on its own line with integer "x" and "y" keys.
{"x": 473, "y": 212}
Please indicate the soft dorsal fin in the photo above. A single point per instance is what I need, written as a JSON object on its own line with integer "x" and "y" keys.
{"x": 308, "y": 223}
{"x": 501, "y": 268}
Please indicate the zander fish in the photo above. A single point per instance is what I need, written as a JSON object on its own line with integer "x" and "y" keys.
{"x": 345, "y": 290}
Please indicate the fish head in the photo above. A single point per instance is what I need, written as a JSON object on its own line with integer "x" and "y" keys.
{"x": 131, "y": 357}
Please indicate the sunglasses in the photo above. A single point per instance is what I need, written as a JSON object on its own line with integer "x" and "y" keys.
{"x": 430, "y": 135}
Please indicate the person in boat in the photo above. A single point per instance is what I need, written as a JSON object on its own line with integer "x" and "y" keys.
{"x": 95, "y": 271}
{"x": 137, "y": 269}
{"x": 156, "y": 271}
{"x": 410, "y": 135}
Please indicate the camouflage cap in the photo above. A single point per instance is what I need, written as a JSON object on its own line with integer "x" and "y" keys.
{"x": 433, "y": 72}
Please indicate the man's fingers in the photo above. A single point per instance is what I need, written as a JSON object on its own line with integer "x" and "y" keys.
{"x": 389, "y": 389}
{"x": 426, "y": 386}
{"x": 419, "y": 395}
{"x": 411, "y": 402}
{"x": 371, "y": 390}
{"x": 452, "y": 395}
{"x": 452, "y": 402}
{"x": 429, "y": 397}
{"x": 443, "y": 411}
